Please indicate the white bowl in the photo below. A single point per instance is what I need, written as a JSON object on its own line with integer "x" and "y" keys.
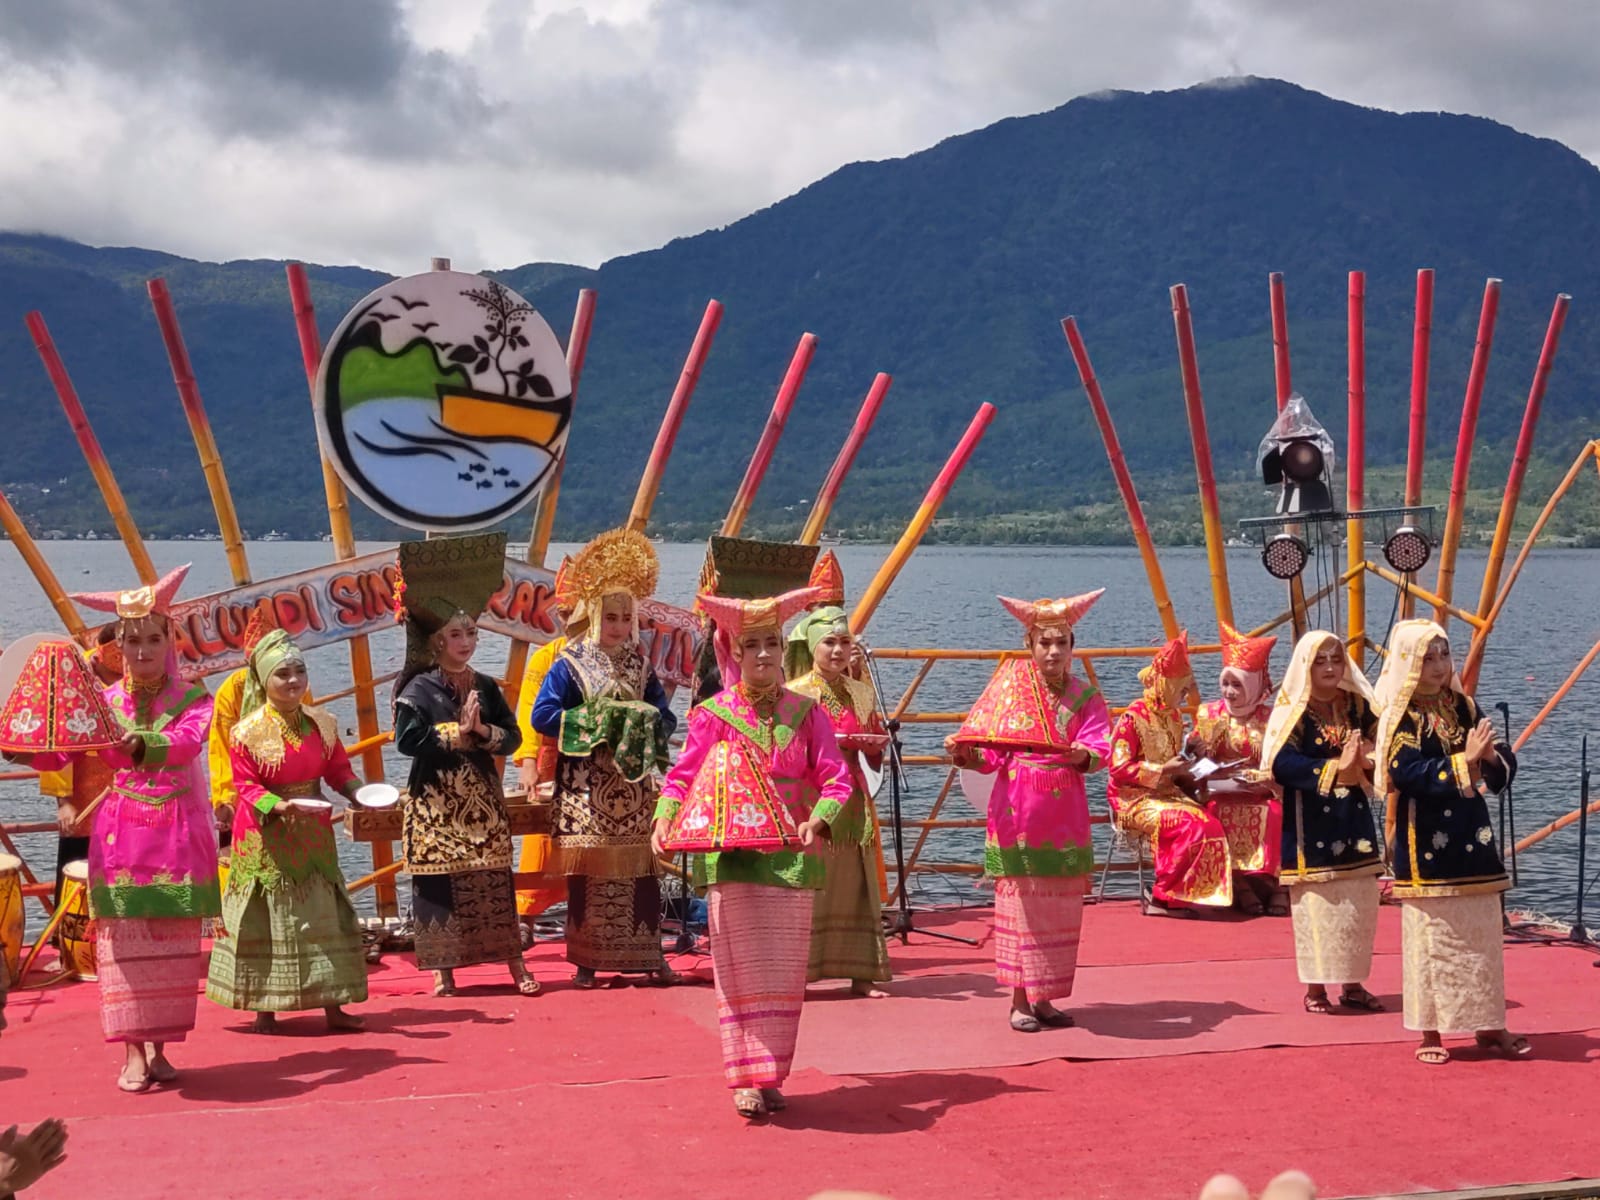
{"x": 311, "y": 804}
{"x": 378, "y": 795}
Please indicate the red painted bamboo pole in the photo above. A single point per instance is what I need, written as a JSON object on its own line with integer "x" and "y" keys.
{"x": 1119, "y": 472}
{"x": 544, "y": 517}
{"x": 650, "y": 482}
{"x": 1200, "y": 439}
{"x": 767, "y": 444}
{"x": 1356, "y": 463}
{"x": 1280, "y": 338}
{"x": 922, "y": 520}
{"x": 110, "y": 491}
{"x": 205, "y": 443}
{"x": 1456, "y": 513}
{"x": 1421, "y": 341}
{"x": 822, "y": 507}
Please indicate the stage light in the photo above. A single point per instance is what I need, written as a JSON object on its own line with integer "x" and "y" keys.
{"x": 1407, "y": 549}
{"x": 1284, "y": 556}
{"x": 1297, "y": 457}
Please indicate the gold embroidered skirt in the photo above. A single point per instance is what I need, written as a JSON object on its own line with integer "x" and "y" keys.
{"x": 1335, "y": 924}
{"x": 1454, "y": 956}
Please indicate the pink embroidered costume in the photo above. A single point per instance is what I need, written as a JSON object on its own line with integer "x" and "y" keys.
{"x": 1247, "y": 803}
{"x": 1188, "y": 844}
{"x": 1040, "y": 741}
{"x": 153, "y": 845}
{"x": 760, "y": 901}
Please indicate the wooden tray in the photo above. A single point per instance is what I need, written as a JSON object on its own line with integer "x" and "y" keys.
{"x": 383, "y": 824}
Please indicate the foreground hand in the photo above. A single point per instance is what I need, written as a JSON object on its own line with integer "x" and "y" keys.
{"x": 1480, "y": 741}
{"x": 959, "y": 754}
{"x": 812, "y": 831}
{"x": 66, "y": 818}
{"x": 528, "y": 773}
{"x": 25, "y": 1160}
{"x": 1173, "y": 767}
{"x": 471, "y": 714}
{"x": 658, "y": 837}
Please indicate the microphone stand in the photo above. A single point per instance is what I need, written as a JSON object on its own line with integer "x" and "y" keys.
{"x": 902, "y": 921}
{"x": 1508, "y": 803}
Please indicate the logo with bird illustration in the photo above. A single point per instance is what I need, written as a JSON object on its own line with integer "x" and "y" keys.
{"x": 443, "y": 401}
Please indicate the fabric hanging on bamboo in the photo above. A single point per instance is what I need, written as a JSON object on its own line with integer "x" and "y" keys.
{"x": 732, "y": 805}
{"x": 56, "y": 705}
{"x": 631, "y": 728}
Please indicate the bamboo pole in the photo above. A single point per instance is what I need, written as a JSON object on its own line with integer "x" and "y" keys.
{"x": 918, "y": 527}
{"x": 1519, "y": 459}
{"x": 46, "y": 578}
{"x": 1355, "y": 541}
{"x": 828, "y": 495}
{"x": 544, "y": 515}
{"x": 650, "y": 482}
{"x": 1119, "y": 472}
{"x": 1590, "y": 452}
{"x": 1283, "y": 381}
{"x": 99, "y": 467}
{"x": 1421, "y": 338}
{"x": 344, "y": 548}
{"x": 1456, "y": 514}
{"x": 1194, "y": 407}
{"x": 200, "y": 429}
{"x": 1560, "y": 693}
{"x": 1426, "y": 596}
{"x": 767, "y": 444}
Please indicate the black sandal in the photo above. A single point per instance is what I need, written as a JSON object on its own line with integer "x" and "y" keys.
{"x": 1320, "y": 1005}
{"x": 1361, "y": 1000}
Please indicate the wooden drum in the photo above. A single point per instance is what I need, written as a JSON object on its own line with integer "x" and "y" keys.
{"x": 76, "y": 931}
{"x": 11, "y": 913}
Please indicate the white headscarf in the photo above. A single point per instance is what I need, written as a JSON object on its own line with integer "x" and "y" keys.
{"x": 1397, "y": 683}
{"x": 1295, "y": 693}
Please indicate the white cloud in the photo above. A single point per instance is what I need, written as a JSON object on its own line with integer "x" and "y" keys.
{"x": 502, "y": 131}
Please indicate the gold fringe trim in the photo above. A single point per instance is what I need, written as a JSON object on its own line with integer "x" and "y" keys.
{"x": 633, "y": 861}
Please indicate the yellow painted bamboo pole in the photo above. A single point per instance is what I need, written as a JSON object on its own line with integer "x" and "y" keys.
{"x": 922, "y": 520}
{"x": 1560, "y": 694}
{"x": 54, "y": 592}
{"x": 99, "y": 467}
{"x": 1200, "y": 440}
{"x": 200, "y": 430}
{"x": 1440, "y": 604}
{"x": 344, "y": 548}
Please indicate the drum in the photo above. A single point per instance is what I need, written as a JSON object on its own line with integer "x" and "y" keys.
{"x": 11, "y": 913}
{"x": 76, "y": 931}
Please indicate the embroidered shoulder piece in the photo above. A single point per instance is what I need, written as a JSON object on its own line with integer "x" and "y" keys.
{"x": 732, "y": 709}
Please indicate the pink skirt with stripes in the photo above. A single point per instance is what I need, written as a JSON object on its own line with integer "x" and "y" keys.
{"x": 150, "y": 972}
{"x": 1036, "y": 927}
{"x": 760, "y": 937}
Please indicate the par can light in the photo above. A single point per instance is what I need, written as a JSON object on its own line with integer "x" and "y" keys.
{"x": 1284, "y": 556}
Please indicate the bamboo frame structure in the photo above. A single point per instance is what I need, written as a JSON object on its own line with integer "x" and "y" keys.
{"x": 766, "y": 446}
{"x": 828, "y": 494}
{"x": 1356, "y": 465}
{"x": 922, "y": 520}
{"x": 1523, "y": 452}
{"x": 205, "y": 443}
{"x": 1200, "y": 439}
{"x": 1417, "y": 425}
{"x": 1456, "y": 513}
{"x": 344, "y": 548}
{"x": 1283, "y": 382}
{"x": 656, "y": 466}
{"x": 1124, "y": 480}
{"x": 45, "y": 577}
{"x": 93, "y": 454}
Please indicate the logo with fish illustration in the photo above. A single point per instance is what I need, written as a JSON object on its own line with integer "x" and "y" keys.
{"x": 443, "y": 401}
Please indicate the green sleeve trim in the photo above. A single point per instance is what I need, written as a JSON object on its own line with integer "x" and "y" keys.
{"x": 828, "y": 811}
{"x": 266, "y": 803}
{"x": 156, "y": 748}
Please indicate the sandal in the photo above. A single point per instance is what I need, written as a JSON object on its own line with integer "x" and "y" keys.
{"x": 775, "y": 1100}
{"x": 141, "y": 1084}
{"x": 749, "y": 1104}
{"x": 1434, "y": 1056}
{"x": 1247, "y": 902}
{"x": 1053, "y": 1017}
{"x": 1025, "y": 1022}
{"x": 529, "y": 986}
{"x": 1510, "y": 1045}
{"x": 1319, "y": 1005}
{"x": 1278, "y": 906}
{"x": 584, "y": 980}
{"x": 1360, "y": 999}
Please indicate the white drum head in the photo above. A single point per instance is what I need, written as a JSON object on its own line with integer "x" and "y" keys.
{"x": 77, "y": 870}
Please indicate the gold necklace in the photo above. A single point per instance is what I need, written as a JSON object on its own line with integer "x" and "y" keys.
{"x": 293, "y": 732}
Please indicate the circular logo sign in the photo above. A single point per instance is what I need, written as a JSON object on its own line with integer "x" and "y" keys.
{"x": 443, "y": 401}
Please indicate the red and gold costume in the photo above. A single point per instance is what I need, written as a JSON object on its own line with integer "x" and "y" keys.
{"x": 1188, "y": 844}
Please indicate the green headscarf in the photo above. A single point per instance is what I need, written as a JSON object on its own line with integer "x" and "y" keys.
{"x": 271, "y": 652}
{"x": 803, "y": 642}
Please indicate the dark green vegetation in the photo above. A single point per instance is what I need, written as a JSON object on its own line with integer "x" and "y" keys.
{"x": 949, "y": 269}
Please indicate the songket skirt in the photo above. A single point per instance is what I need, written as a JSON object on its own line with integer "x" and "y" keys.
{"x": 1335, "y": 924}
{"x": 288, "y": 948}
{"x": 1454, "y": 963}
{"x": 614, "y": 924}
{"x": 1036, "y": 926}
{"x": 759, "y": 936}
{"x": 1189, "y": 851}
{"x": 463, "y": 919}
{"x": 847, "y": 919}
{"x": 150, "y": 970}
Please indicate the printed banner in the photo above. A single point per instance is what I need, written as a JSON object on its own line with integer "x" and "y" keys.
{"x": 343, "y": 600}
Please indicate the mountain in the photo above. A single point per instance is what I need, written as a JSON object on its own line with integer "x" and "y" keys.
{"x": 950, "y": 269}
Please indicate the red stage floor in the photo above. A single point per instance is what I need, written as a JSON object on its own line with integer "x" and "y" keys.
{"x": 1194, "y": 1056}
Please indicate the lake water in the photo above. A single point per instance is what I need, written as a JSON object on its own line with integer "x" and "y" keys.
{"x": 945, "y": 598}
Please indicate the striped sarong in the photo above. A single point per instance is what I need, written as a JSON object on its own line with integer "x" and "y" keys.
{"x": 759, "y": 939}
{"x": 1036, "y": 925}
{"x": 150, "y": 970}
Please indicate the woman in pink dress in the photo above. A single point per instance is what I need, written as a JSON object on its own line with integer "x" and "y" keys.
{"x": 153, "y": 847}
{"x": 1040, "y": 730}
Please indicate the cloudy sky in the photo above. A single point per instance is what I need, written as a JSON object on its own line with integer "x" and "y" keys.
{"x": 499, "y": 132}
